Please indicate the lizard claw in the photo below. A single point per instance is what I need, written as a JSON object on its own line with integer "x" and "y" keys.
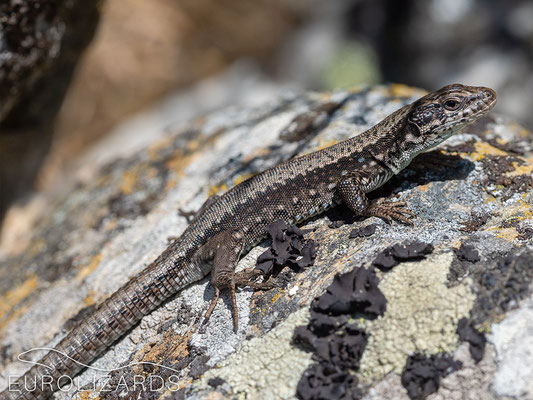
{"x": 391, "y": 211}
{"x": 248, "y": 277}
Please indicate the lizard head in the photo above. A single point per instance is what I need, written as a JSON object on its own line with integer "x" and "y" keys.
{"x": 440, "y": 114}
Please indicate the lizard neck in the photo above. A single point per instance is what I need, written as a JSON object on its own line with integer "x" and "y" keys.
{"x": 394, "y": 142}
{"x": 387, "y": 143}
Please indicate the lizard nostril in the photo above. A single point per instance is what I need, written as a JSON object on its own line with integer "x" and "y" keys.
{"x": 489, "y": 95}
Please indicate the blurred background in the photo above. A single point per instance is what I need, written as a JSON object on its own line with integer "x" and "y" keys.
{"x": 72, "y": 71}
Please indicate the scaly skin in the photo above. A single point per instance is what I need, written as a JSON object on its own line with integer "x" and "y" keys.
{"x": 231, "y": 224}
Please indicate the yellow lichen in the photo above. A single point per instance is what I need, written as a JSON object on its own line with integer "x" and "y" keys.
{"x": 127, "y": 183}
{"x": 16, "y": 295}
{"x": 525, "y": 169}
{"x": 401, "y": 90}
{"x": 86, "y": 270}
{"x": 217, "y": 189}
{"x": 326, "y": 143}
{"x": 484, "y": 149}
{"x": 89, "y": 299}
{"x": 242, "y": 178}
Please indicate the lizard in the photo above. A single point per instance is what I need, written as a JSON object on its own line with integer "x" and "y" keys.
{"x": 229, "y": 225}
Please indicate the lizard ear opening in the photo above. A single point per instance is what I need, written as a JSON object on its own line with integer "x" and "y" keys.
{"x": 422, "y": 116}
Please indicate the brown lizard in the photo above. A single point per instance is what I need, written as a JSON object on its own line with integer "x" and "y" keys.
{"x": 229, "y": 225}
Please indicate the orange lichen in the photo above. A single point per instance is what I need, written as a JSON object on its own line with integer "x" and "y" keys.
{"x": 525, "y": 169}
{"x": 163, "y": 143}
{"x": 85, "y": 271}
{"x": 170, "y": 348}
{"x": 89, "y": 300}
{"x": 276, "y": 297}
{"x": 242, "y": 178}
{"x": 87, "y": 395}
{"x": 127, "y": 184}
{"x": 16, "y": 295}
{"x": 326, "y": 143}
{"x": 180, "y": 160}
{"x": 401, "y": 90}
{"x": 422, "y": 188}
{"x": 508, "y": 234}
{"x": 217, "y": 189}
{"x": 484, "y": 149}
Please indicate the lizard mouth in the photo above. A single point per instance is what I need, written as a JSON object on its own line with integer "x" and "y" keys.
{"x": 489, "y": 98}
{"x": 480, "y": 104}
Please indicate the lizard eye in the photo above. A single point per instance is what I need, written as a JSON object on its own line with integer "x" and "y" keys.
{"x": 451, "y": 104}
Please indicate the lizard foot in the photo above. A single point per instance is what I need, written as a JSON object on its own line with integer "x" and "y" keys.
{"x": 248, "y": 277}
{"x": 243, "y": 278}
{"x": 391, "y": 211}
{"x": 188, "y": 215}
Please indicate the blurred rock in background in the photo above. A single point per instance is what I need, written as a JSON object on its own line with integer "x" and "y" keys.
{"x": 144, "y": 51}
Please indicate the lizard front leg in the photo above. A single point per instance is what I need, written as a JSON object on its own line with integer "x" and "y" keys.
{"x": 223, "y": 251}
{"x": 351, "y": 193}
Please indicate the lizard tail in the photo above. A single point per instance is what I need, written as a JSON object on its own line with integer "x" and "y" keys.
{"x": 108, "y": 322}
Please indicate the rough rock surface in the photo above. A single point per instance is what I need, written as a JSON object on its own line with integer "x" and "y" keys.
{"x": 476, "y": 212}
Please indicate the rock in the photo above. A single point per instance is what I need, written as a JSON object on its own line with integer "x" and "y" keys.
{"x": 40, "y": 44}
{"x": 106, "y": 231}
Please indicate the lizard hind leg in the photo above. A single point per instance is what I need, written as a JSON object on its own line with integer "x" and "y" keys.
{"x": 223, "y": 251}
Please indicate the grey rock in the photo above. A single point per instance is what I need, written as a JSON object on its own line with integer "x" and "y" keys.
{"x": 105, "y": 231}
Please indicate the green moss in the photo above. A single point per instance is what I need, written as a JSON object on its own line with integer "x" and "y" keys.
{"x": 354, "y": 64}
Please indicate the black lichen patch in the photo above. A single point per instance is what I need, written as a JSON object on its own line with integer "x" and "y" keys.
{"x": 288, "y": 248}
{"x": 475, "y": 339}
{"x": 364, "y": 231}
{"x": 421, "y": 375}
{"x": 410, "y": 251}
{"x": 353, "y": 292}
{"x": 467, "y": 252}
{"x": 326, "y": 381}
{"x": 500, "y": 283}
{"x": 216, "y": 382}
{"x": 198, "y": 365}
{"x": 496, "y": 167}
{"x": 343, "y": 349}
{"x": 336, "y": 345}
